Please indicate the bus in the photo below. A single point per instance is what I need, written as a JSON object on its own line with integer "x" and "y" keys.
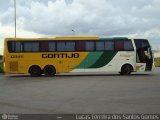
{"x": 50, "y": 56}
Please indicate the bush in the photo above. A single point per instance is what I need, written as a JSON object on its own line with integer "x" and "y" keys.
{"x": 1, "y": 67}
{"x": 1, "y": 64}
{"x": 1, "y": 57}
{"x": 157, "y": 62}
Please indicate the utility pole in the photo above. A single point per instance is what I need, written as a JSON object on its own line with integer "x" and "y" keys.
{"x": 15, "y": 16}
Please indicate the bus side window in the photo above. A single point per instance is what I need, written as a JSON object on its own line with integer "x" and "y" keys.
{"x": 109, "y": 45}
{"x": 128, "y": 46}
{"x": 61, "y": 47}
{"x": 27, "y": 47}
{"x": 35, "y": 47}
{"x": 80, "y": 46}
{"x": 119, "y": 45}
{"x": 99, "y": 46}
{"x": 66, "y": 46}
{"x": 18, "y": 47}
{"x": 11, "y": 46}
{"x": 90, "y": 46}
{"x": 44, "y": 47}
{"x": 52, "y": 46}
{"x": 31, "y": 46}
{"x": 70, "y": 46}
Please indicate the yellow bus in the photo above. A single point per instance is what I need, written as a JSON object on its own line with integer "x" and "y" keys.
{"x": 50, "y": 56}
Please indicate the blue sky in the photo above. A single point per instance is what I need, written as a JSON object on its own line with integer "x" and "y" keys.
{"x": 48, "y": 18}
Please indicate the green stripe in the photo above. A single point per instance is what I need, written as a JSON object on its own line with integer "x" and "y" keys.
{"x": 90, "y": 60}
{"x": 96, "y": 60}
{"x": 104, "y": 59}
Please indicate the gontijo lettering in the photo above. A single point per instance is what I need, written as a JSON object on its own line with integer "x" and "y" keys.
{"x": 61, "y": 55}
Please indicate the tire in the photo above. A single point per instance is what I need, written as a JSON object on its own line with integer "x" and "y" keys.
{"x": 49, "y": 70}
{"x": 35, "y": 71}
{"x": 126, "y": 70}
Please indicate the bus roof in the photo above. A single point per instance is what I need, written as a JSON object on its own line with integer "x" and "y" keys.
{"x": 71, "y": 38}
{"x": 59, "y": 38}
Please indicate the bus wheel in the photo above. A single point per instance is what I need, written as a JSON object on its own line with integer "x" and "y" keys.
{"x": 49, "y": 70}
{"x": 35, "y": 71}
{"x": 126, "y": 70}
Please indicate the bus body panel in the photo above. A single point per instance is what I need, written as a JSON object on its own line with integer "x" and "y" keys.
{"x": 116, "y": 63}
{"x": 22, "y": 62}
{"x": 64, "y": 62}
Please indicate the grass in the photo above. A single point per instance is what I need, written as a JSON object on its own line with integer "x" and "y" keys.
{"x": 1, "y": 67}
{"x": 1, "y": 64}
{"x": 157, "y": 62}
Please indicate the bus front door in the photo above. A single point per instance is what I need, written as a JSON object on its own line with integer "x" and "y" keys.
{"x": 144, "y": 56}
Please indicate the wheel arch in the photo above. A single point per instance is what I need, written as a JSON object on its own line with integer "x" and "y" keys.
{"x": 34, "y": 65}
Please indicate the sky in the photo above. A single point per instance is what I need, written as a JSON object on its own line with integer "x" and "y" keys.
{"x": 105, "y": 18}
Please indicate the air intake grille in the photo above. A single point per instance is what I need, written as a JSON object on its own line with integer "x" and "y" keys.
{"x": 13, "y": 66}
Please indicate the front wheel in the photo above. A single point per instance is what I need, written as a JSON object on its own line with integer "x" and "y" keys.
{"x": 126, "y": 70}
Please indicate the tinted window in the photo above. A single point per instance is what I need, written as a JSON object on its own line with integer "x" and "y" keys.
{"x": 105, "y": 45}
{"x": 35, "y": 46}
{"x": 44, "y": 47}
{"x": 52, "y": 46}
{"x": 27, "y": 47}
{"x": 125, "y": 45}
{"x": 141, "y": 43}
{"x": 18, "y": 47}
{"x": 128, "y": 46}
{"x": 109, "y": 45}
{"x": 66, "y": 46}
{"x": 31, "y": 46}
{"x": 15, "y": 46}
{"x": 90, "y": 46}
{"x": 70, "y": 46}
{"x": 100, "y": 46}
{"x": 119, "y": 45}
{"x": 11, "y": 46}
{"x": 80, "y": 45}
{"x": 61, "y": 46}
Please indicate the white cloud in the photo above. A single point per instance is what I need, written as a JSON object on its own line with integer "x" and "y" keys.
{"x": 100, "y": 17}
{"x": 9, "y": 32}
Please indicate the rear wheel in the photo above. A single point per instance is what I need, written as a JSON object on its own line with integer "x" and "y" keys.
{"x": 49, "y": 70}
{"x": 126, "y": 70}
{"x": 35, "y": 71}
